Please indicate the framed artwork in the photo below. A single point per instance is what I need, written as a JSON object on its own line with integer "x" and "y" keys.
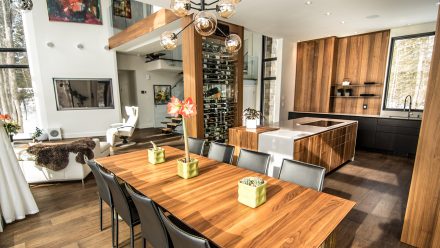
{"x": 122, "y": 8}
{"x": 162, "y": 94}
{"x": 79, "y": 11}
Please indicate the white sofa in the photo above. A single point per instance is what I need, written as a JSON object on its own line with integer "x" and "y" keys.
{"x": 74, "y": 170}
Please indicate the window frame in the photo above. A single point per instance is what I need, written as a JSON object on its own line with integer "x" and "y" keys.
{"x": 263, "y": 78}
{"x": 13, "y": 50}
{"x": 390, "y": 59}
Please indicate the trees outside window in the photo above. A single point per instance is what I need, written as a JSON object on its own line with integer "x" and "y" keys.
{"x": 16, "y": 93}
{"x": 408, "y": 71}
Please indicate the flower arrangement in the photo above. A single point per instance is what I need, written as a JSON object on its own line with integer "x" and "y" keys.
{"x": 186, "y": 109}
{"x": 10, "y": 125}
{"x": 187, "y": 167}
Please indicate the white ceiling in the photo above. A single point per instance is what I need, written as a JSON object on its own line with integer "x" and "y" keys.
{"x": 294, "y": 20}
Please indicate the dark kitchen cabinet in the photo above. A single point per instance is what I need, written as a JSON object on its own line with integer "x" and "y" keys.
{"x": 384, "y": 134}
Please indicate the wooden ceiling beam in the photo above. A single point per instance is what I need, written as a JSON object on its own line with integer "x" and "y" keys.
{"x": 143, "y": 27}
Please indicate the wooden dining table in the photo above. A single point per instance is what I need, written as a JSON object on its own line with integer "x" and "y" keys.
{"x": 293, "y": 216}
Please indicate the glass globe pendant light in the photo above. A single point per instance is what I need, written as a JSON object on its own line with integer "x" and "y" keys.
{"x": 22, "y": 5}
{"x": 205, "y": 23}
{"x": 168, "y": 40}
{"x": 233, "y": 43}
{"x": 226, "y": 8}
{"x": 180, "y": 8}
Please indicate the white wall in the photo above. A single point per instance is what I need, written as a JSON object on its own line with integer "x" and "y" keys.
{"x": 150, "y": 115}
{"x": 402, "y": 31}
{"x": 65, "y": 60}
{"x": 288, "y": 73}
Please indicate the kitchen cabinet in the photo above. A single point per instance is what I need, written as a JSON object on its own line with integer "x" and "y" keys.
{"x": 378, "y": 133}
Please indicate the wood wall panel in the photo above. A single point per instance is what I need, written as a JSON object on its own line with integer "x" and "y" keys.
{"x": 193, "y": 75}
{"x": 361, "y": 58}
{"x": 421, "y": 224}
{"x": 314, "y": 74}
{"x": 328, "y": 149}
{"x": 143, "y": 27}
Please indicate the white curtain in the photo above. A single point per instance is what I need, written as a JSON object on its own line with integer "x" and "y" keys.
{"x": 16, "y": 199}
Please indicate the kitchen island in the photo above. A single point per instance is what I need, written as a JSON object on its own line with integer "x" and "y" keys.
{"x": 325, "y": 142}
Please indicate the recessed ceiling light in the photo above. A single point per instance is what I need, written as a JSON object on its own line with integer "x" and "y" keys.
{"x": 372, "y": 16}
{"x": 355, "y": 32}
{"x": 328, "y": 13}
{"x": 308, "y": 3}
{"x": 342, "y": 22}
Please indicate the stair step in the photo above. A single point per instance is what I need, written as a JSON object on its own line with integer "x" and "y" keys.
{"x": 176, "y": 119}
{"x": 173, "y": 124}
{"x": 167, "y": 130}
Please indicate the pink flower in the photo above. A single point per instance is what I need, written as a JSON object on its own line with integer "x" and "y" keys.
{"x": 188, "y": 108}
{"x": 174, "y": 106}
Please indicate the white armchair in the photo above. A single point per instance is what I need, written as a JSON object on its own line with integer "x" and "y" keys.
{"x": 125, "y": 129}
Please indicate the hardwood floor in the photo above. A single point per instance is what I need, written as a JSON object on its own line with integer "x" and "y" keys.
{"x": 69, "y": 213}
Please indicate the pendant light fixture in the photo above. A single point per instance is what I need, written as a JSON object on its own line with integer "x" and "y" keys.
{"x": 205, "y": 22}
{"x": 24, "y": 5}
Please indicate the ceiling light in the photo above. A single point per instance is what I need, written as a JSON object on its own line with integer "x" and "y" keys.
{"x": 342, "y": 22}
{"x": 308, "y": 3}
{"x": 205, "y": 22}
{"x": 233, "y": 43}
{"x": 180, "y": 8}
{"x": 168, "y": 40}
{"x": 328, "y": 13}
{"x": 226, "y": 8}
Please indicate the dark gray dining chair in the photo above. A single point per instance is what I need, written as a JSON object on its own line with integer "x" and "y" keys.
{"x": 254, "y": 161}
{"x": 196, "y": 146}
{"x": 103, "y": 191}
{"x": 221, "y": 152}
{"x": 306, "y": 175}
{"x": 152, "y": 228}
{"x": 123, "y": 206}
{"x": 181, "y": 238}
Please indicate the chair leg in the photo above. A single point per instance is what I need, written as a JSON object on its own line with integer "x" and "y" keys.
{"x": 144, "y": 243}
{"x": 117, "y": 230}
{"x": 132, "y": 236}
{"x": 112, "y": 215}
{"x": 100, "y": 213}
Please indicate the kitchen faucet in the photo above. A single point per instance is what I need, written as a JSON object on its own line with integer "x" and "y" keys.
{"x": 410, "y": 103}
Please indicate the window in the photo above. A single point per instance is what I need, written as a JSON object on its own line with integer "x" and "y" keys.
{"x": 16, "y": 92}
{"x": 408, "y": 71}
{"x": 268, "y": 87}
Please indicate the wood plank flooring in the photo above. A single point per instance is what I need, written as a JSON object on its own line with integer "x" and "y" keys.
{"x": 69, "y": 213}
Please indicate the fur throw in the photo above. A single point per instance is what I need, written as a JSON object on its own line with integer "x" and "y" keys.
{"x": 56, "y": 156}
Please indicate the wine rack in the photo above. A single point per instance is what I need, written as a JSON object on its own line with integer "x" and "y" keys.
{"x": 219, "y": 79}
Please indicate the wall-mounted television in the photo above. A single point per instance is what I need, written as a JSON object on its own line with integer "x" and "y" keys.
{"x": 83, "y": 93}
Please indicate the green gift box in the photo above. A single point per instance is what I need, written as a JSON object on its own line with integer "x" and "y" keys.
{"x": 187, "y": 170}
{"x": 156, "y": 156}
{"x": 251, "y": 196}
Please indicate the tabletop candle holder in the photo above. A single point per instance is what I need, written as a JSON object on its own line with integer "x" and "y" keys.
{"x": 252, "y": 191}
{"x": 156, "y": 155}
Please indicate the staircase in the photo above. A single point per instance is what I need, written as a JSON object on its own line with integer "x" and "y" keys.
{"x": 171, "y": 125}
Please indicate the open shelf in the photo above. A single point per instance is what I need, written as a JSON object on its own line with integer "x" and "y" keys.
{"x": 356, "y": 85}
{"x": 355, "y": 96}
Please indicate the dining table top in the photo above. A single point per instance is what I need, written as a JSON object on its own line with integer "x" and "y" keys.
{"x": 292, "y": 216}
